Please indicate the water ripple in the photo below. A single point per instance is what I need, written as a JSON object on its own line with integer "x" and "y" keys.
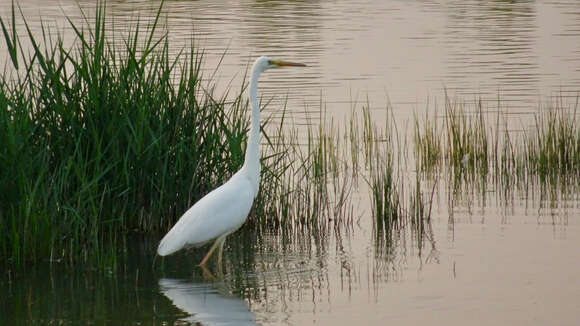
{"x": 521, "y": 50}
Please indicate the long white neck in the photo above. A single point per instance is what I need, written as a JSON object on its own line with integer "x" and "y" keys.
{"x": 252, "y": 159}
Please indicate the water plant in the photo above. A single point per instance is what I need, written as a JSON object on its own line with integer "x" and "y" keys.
{"x": 545, "y": 148}
{"x": 467, "y": 139}
{"x": 428, "y": 147}
{"x": 104, "y": 138}
{"x": 552, "y": 148}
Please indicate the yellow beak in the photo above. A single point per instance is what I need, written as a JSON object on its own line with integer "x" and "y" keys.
{"x": 281, "y": 63}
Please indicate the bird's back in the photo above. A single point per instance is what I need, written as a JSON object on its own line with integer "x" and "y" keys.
{"x": 220, "y": 212}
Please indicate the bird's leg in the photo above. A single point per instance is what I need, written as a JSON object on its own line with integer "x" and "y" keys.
{"x": 207, "y": 274}
{"x": 220, "y": 251}
{"x": 204, "y": 260}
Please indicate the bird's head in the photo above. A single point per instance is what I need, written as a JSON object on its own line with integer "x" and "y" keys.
{"x": 263, "y": 63}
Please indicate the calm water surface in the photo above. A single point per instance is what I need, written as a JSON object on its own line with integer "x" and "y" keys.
{"x": 402, "y": 52}
{"x": 511, "y": 269}
{"x": 484, "y": 262}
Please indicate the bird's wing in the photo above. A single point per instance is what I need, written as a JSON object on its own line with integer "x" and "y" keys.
{"x": 220, "y": 212}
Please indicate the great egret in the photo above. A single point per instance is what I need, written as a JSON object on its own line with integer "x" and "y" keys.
{"x": 225, "y": 209}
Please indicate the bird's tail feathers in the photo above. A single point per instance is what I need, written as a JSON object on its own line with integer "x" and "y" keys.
{"x": 169, "y": 244}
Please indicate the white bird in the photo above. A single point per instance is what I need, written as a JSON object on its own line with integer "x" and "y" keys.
{"x": 226, "y": 208}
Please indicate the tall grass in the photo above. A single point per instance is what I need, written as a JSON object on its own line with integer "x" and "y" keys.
{"x": 547, "y": 147}
{"x": 312, "y": 186}
{"x": 467, "y": 139}
{"x": 105, "y": 137}
{"x": 553, "y": 148}
{"x": 383, "y": 177}
{"x": 428, "y": 151}
{"x": 480, "y": 151}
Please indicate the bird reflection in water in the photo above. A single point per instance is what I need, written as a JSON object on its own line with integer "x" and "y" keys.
{"x": 205, "y": 304}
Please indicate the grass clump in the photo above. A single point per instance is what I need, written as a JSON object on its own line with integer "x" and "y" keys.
{"x": 428, "y": 147}
{"x": 312, "y": 184}
{"x": 553, "y": 148}
{"x": 467, "y": 139}
{"x": 103, "y": 138}
{"x": 478, "y": 152}
{"x": 382, "y": 165}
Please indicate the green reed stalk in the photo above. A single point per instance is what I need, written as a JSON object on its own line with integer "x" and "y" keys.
{"x": 104, "y": 138}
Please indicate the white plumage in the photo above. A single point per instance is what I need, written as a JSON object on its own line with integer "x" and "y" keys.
{"x": 194, "y": 228}
{"x": 226, "y": 208}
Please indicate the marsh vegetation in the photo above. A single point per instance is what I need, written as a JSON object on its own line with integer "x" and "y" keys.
{"x": 113, "y": 122}
{"x": 107, "y": 138}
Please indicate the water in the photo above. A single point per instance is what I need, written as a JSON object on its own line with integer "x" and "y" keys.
{"x": 485, "y": 261}
{"x": 519, "y": 269}
{"x": 400, "y": 52}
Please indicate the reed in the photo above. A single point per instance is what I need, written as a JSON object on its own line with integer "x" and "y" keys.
{"x": 467, "y": 147}
{"x": 312, "y": 185}
{"x": 552, "y": 149}
{"x": 480, "y": 150}
{"x": 428, "y": 147}
{"x": 105, "y": 138}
